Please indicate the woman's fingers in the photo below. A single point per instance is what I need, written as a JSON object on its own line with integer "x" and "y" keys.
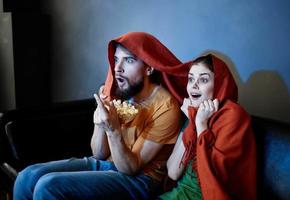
{"x": 216, "y": 104}
{"x": 206, "y": 105}
{"x": 202, "y": 106}
{"x": 209, "y": 105}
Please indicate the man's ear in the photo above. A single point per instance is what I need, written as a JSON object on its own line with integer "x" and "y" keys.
{"x": 149, "y": 70}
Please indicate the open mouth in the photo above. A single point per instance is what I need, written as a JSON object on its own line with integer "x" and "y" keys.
{"x": 195, "y": 95}
{"x": 121, "y": 81}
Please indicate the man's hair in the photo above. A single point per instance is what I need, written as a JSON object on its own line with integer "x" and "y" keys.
{"x": 155, "y": 77}
{"x": 117, "y": 44}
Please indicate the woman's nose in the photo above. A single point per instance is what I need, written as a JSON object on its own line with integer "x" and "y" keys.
{"x": 195, "y": 84}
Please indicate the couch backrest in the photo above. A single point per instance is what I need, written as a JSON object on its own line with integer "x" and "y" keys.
{"x": 60, "y": 132}
{"x": 65, "y": 130}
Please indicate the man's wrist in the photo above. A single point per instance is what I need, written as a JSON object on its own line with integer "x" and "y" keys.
{"x": 114, "y": 134}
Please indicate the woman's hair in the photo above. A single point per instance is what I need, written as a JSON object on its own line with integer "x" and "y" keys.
{"x": 205, "y": 60}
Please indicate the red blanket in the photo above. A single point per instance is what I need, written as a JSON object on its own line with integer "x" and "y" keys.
{"x": 225, "y": 153}
{"x": 150, "y": 50}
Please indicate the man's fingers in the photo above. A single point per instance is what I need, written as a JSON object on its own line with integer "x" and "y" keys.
{"x": 98, "y": 100}
{"x": 103, "y": 105}
{"x": 101, "y": 89}
{"x": 101, "y": 94}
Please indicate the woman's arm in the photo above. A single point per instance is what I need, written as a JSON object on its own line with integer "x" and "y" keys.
{"x": 175, "y": 169}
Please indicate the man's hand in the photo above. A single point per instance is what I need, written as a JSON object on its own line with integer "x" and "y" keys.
{"x": 101, "y": 93}
{"x": 106, "y": 116}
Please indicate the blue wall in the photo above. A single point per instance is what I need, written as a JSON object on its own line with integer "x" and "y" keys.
{"x": 251, "y": 35}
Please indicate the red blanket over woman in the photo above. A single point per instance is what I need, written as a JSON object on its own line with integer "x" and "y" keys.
{"x": 225, "y": 153}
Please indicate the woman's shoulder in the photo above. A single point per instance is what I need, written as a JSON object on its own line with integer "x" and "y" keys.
{"x": 232, "y": 110}
{"x": 234, "y": 107}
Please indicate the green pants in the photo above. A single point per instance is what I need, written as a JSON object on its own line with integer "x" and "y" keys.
{"x": 187, "y": 187}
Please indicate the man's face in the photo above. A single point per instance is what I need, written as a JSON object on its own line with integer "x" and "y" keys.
{"x": 129, "y": 73}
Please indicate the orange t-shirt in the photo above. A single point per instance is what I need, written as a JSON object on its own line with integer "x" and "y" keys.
{"x": 158, "y": 120}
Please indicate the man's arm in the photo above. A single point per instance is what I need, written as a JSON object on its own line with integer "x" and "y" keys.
{"x": 99, "y": 144}
{"x": 127, "y": 161}
{"x": 144, "y": 150}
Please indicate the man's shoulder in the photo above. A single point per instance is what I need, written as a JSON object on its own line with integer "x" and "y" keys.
{"x": 164, "y": 94}
{"x": 163, "y": 97}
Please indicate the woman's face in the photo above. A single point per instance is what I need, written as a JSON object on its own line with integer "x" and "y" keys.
{"x": 200, "y": 85}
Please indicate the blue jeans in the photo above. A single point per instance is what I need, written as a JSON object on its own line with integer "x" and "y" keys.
{"x": 85, "y": 178}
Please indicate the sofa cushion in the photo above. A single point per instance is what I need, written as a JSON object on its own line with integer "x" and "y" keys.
{"x": 273, "y": 146}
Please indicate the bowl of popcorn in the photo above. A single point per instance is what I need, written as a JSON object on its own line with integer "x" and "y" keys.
{"x": 126, "y": 111}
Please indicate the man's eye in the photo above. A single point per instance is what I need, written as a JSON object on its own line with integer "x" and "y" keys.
{"x": 115, "y": 59}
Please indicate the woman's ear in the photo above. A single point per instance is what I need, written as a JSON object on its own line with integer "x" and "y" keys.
{"x": 149, "y": 70}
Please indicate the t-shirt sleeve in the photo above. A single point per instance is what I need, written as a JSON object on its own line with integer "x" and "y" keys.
{"x": 164, "y": 125}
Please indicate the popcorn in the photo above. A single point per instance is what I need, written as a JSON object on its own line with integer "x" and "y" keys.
{"x": 126, "y": 111}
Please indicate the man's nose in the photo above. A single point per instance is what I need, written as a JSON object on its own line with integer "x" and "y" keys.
{"x": 119, "y": 66}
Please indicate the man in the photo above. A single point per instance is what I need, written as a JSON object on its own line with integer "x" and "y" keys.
{"x": 129, "y": 155}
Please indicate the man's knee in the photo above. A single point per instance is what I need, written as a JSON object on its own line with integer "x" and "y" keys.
{"x": 25, "y": 182}
{"x": 30, "y": 172}
{"x": 49, "y": 186}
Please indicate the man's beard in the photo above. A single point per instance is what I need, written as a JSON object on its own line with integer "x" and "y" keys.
{"x": 131, "y": 91}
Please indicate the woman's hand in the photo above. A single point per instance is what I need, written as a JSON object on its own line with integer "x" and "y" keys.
{"x": 185, "y": 105}
{"x": 206, "y": 109}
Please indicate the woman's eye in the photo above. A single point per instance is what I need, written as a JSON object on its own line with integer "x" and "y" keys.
{"x": 203, "y": 80}
{"x": 190, "y": 79}
{"x": 130, "y": 60}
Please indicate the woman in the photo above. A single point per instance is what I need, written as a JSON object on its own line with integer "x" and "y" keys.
{"x": 215, "y": 156}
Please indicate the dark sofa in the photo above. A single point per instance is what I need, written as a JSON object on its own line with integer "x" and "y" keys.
{"x": 63, "y": 130}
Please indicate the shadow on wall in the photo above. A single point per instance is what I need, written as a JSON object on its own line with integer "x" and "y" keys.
{"x": 264, "y": 94}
